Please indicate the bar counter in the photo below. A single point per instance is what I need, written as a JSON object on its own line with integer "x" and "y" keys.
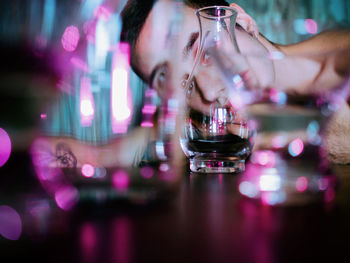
{"x": 203, "y": 219}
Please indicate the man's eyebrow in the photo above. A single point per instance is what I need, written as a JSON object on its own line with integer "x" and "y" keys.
{"x": 191, "y": 40}
{"x": 154, "y": 72}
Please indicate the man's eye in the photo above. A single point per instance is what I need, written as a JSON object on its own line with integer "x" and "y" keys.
{"x": 160, "y": 78}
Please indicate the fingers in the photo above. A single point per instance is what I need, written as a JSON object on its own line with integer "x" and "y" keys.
{"x": 245, "y": 21}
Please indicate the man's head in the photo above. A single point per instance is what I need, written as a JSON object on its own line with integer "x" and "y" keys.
{"x": 146, "y": 28}
{"x": 136, "y": 12}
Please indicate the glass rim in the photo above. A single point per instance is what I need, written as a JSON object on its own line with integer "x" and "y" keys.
{"x": 200, "y": 11}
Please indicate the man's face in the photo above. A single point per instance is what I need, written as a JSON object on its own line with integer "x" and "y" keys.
{"x": 156, "y": 59}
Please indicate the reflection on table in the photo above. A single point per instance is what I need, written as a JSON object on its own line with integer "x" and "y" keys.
{"x": 142, "y": 216}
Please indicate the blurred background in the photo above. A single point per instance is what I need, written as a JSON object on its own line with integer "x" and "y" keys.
{"x": 43, "y": 40}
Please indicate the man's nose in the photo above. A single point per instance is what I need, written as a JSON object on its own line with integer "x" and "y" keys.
{"x": 210, "y": 86}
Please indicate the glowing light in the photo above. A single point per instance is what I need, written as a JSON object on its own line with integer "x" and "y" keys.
{"x": 88, "y": 170}
{"x": 5, "y": 147}
{"x": 66, "y": 197}
{"x": 149, "y": 109}
{"x": 270, "y": 182}
{"x": 264, "y": 158}
{"x": 248, "y": 189}
{"x": 87, "y": 107}
{"x": 121, "y": 180}
{"x": 278, "y": 97}
{"x": 122, "y": 111}
{"x": 120, "y": 92}
{"x": 70, "y": 38}
{"x": 43, "y": 116}
{"x": 296, "y": 147}
{"x": 311, "y": 26}
{"x": 147, "y": 172}
{"x": 147, "y": 124}
{"x": 305, "y": 26}
{"x": 10, "y": 223}
{"x": 164, "y": 167}
{"x": 301, "y": 184}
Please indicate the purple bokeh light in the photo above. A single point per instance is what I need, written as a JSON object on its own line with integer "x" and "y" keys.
{"x": 10, "y": 223}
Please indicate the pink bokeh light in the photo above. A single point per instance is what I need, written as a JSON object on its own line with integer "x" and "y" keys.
{"x": 5, "y": 147}
{"x": 88, "y": 170}
{"x": 264, "y": 158}
{"x": 296, "y": 147}
{"x": 311, "y": 26}
{"x": 121, "y": 180}
{"x": 301, "y": 184}
{"x": 66, "y": 197}
{"x": 70, "y": 38}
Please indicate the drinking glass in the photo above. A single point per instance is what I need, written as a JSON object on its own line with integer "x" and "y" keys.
{"x": 215, "y": 137}
{"x": 290, "y": 160}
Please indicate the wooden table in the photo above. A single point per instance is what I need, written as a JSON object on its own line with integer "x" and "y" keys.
{"x": 205, "y": 220}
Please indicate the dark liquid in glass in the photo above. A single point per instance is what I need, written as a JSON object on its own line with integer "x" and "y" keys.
{"x": 230, "y": 144}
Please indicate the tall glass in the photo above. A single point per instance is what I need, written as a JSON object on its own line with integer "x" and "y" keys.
{"x": 215, "y": 137}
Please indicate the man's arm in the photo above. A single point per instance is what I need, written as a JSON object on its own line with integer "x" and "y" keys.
{"x": 327, "y": 57}
{"x": 71, "y": 153}
{"x": 319, "y": 63}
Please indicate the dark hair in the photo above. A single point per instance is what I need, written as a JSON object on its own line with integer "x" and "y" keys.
{"x": 135, "y": 14}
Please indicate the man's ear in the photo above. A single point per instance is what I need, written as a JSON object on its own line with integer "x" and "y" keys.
{"x": 245, "y": 21}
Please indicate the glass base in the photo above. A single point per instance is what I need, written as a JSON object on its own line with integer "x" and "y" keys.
{"x": 222, "y": 165}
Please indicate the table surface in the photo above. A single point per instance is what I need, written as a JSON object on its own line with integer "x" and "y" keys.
{"x": 205, "y": 220}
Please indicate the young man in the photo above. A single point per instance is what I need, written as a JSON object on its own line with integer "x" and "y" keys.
{"x": 320, "y": 63}
{"x": 145, "y": 28}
